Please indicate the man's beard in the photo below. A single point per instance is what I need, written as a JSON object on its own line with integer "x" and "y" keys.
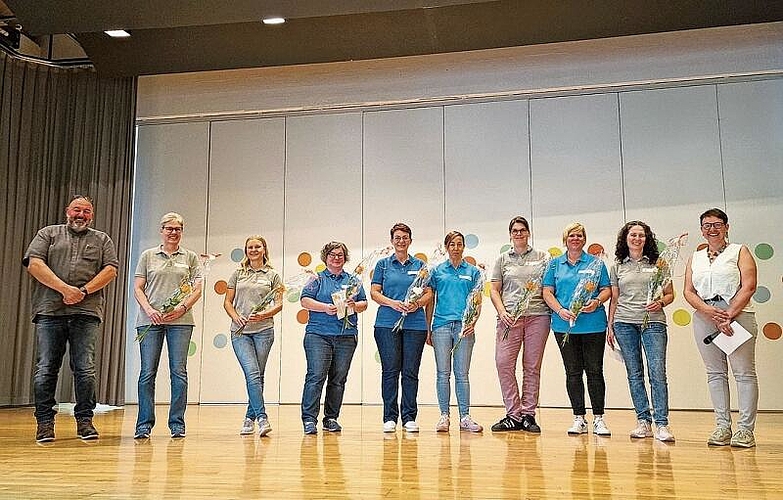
{"x": 78, "y": 225}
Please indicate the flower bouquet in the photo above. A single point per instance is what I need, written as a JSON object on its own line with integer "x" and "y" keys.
{"x": 297, "y": 282}
{"x": 584, "y": 292}
{"x": 354, "y": 284}
{"x": 662, "y": 275}
{"x": 419, "y": 284}
{"x": 532, "y": 284}
{"x": 472, "y": 307}
{"x": 185, "y": 288}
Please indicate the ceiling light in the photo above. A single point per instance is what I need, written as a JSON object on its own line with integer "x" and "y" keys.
{"x": 117, "y": 33}
{"x": 273, "y": 20}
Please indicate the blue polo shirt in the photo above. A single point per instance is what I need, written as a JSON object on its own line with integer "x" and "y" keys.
{"x": 395, "y": 277}
{"x": 321, "y": 290}
{"x": 451, "y": 287}
{"x": 563, "y": 277}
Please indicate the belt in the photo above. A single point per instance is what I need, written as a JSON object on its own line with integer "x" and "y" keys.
{"x": 716, "y": 298}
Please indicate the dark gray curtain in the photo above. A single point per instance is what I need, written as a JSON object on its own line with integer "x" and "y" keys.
{"x": 63, "y": 131}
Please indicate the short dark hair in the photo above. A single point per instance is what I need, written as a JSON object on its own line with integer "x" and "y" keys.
{"x": 400, "y": 226}
{"x": 451, "y": 236}
{"x": 714, "y": 212}
{"x": 518, "y": 220}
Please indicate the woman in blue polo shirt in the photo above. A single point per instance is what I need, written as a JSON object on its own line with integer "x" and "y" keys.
{"x": 329, "y": 341}
{"x": 583, "y": 352}
{"x": 400, "y": 351}
{"x": 452, "y": 281}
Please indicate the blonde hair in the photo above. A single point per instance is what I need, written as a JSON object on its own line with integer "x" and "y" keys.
{"x": 172, "y": 217}
{"x": 572, "y": 228}
{"x": 264, "y": 258}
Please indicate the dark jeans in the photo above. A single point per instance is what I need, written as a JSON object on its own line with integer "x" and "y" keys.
{"x": 584, "y": 354}
{"x": 328, "y": 356}
{"x": 400, "y": 354}
{"x": 79, "y": 332}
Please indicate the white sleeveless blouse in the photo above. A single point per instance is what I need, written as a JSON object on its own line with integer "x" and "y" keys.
{"x": 719, "y": 278}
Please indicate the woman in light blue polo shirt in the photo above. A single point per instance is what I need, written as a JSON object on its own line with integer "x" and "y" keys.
{"x": 452, "y": 281}
{"x": 248, "y": 285}
{"x": 583, "y": 352}
{"x": 400, "y": 351}
{"x": 329, "y": 341}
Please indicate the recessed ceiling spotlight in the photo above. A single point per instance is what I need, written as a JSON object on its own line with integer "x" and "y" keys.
{"x": 117, "y": 33}
{"x": 273, "y": 20}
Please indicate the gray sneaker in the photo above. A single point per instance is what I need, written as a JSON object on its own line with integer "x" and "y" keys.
{"x": 248, "y": 427}
{"x": 743, "y": 438}
{"x": 721, "y": 436}
{"x": 331, "y": 425}
{"x": 264, "y": 427}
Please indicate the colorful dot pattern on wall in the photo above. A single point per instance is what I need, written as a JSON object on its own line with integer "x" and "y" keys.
{"x": 304, "y": 259}
{"x": 470, "y": 260}
{"x": 595, "y": 249}
{"x": 220, "y": 287}
{"x": 764, "y": 251}
{"x": 192, "y": 348}
{"x": 681, "y": 317}
{"x": 762, "y": 294}
{"x": 772, "y": 331}
{"x": 505, "y": 248}
{"x": 302, "y": 316}
{"x": 471, "y": 241}
{"x": 320, "y": 267}
{"x": 237, "y": 254}
{"x": 421, "y": 257}
{"x": 220, "y": 341}
{"x": 555, "y": 252}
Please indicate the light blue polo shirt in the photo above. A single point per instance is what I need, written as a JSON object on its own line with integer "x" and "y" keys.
{"x": 564, "y": 277}
{"x": 395, "y": 277}
{"x": 321, "y": 290}
{"x": 452, "y": 287}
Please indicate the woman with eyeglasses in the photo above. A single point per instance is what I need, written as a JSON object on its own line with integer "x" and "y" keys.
{"x": 451, "y": 283}
{"x": 513, "y": 271}
{"x": 329, "y": 340}
{"x": 248, "y": 285}
{"x": 400, "y": 351}
{"x": 720, "y": 280}
{"x": 159, "y": 273}
{"x": 582, "y": 349}
{"x": 636, "y": 258}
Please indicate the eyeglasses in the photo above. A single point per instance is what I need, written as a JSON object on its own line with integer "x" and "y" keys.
{"x": 172, "y": 229}
{"x": 401, "y": 238}
{"x": 712, "y": 225}
{"x": 519, "y": 231}
{"x": 336, "y": 255}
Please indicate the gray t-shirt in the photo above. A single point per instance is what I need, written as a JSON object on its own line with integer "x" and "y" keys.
{"x": 164, "y": 274}
{"x": 514, "y": 270}
{"x": 633, "y": 279}
{"x": 76, "y": 258}
{"x": 250, "y": 287}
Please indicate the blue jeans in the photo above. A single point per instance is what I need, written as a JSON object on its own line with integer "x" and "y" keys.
{"x": 632, "y": 340}
{"x": 252, "y": 351}
{"x": 79, "y": 331}
{"x": 400, "y": 354}
{"x": 328, "y": 356}
{"x": 177, "y": 343}
{"x": 443, "y": 339}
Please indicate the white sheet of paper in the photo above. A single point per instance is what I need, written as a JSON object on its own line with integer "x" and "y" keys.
{"x": 729, "y": 344}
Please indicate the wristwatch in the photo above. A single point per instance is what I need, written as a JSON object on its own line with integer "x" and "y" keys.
{"x": 83, "y": 289}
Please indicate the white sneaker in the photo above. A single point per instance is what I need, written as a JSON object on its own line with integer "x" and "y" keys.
{"x": 662, "y": 433}
{"x": 643, "y": 430}
{"x": 443, "y": 423}
{"x": 411, "y": 426}
{"x": 389, "y": 426}
{"x": 466, "y": 423}
{"x": 264, "y": 427}
{"x": 599, "y": 426}
{"x": 579, "y": 426}
{"x": 248, "y": 427}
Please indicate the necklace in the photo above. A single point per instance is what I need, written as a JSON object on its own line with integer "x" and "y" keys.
{"x": 713, "y": 254}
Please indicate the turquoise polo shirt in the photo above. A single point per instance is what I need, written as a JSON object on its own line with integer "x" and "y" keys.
{"x": 451, "y": 287}
{"x": 563, "y": 277}
{"x": 321, "y": 290}
{"x": 395, "y": 277}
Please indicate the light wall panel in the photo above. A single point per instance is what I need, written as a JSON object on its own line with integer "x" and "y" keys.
{"x": 575, "y": 163}
{"x": 246, "y": 197}
{"x": 403, "y": 182}
{"x": 487, "y": 181}
{"x": 323, "y": 203}
{"x": 171, "y": 176}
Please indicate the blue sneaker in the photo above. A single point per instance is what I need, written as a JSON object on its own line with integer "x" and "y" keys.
{"x": 310, "y": 428}
{"x": 331, "y": 425}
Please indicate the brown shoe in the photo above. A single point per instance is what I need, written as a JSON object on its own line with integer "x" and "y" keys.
{"x": 85, "y": 430}
{"x": 45, "y": 432}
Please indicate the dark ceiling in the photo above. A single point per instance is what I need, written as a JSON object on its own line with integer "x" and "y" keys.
{"x": 171, "y": 36}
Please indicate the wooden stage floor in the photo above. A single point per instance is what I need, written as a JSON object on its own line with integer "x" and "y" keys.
{"x": 213, "y": 461}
